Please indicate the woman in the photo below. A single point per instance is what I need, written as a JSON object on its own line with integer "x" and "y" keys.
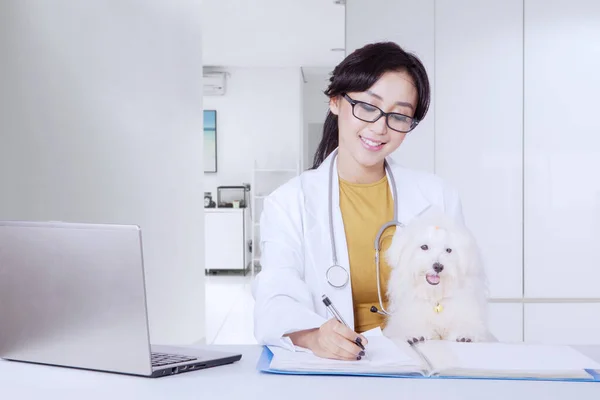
{"x": 377, "y": 95}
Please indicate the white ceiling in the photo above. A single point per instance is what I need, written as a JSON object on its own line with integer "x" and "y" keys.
{"x": 272, "y": 33}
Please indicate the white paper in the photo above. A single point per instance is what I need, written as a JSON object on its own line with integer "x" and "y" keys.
{"x": 381, "y": 355}
{"x": 375, "y": 332}
{"x": 519, "y": 357}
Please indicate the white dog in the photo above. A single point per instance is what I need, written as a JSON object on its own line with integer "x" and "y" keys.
{"x": 437, "y": 286}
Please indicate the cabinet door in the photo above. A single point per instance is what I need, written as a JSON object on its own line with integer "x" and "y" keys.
{"x": 563, "y": 323}
{"x": 562, "y": 148}
{"x": 224, "y": 240}
{"x": 506, "y": 321}
{"x": 479, "y": 126}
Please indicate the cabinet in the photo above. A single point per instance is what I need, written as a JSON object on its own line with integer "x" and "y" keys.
{"x": 226, "y": 238}
{"x": 563, "y": 323}
{"x": 520, "y": 142}
{"x": 562, "y": 149}
{"x": 506, "y": 321}
{"x": 479, "y": 127}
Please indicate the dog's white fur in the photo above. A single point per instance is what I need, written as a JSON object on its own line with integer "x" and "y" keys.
{"x": 462, "y": 289}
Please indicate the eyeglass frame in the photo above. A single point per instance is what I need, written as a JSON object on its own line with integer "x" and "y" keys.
{"x": 382, "y": 113}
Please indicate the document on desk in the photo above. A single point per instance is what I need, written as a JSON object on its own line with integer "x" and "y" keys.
{"x": 383, "y": 356}
{"x": 447, "y": 359}
{"x": 507, "y": 360}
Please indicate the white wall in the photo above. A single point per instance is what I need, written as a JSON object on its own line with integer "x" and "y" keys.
{"x": 100, "y": 114}
{"x": 316, "y": 105}
{"x": 259, "y": 117}
{"x": 410, "y": 24}
{"x": 313, "y": 134}
{"x": 272, "y": 33}
{"x": 516, "y": 132}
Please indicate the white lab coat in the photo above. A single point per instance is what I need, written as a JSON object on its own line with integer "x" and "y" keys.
{"x": 296, "y": 248}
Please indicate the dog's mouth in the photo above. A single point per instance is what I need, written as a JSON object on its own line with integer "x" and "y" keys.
{"x": 432, "y": 279}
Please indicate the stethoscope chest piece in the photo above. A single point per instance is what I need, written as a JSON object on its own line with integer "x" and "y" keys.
{"x": 337, "y": 276}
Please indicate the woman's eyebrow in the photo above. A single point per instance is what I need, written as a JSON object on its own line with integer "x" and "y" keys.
{"x": 399, "y": 103}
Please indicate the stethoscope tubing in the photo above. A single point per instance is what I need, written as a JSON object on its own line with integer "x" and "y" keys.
{"x": 335, "y": 264}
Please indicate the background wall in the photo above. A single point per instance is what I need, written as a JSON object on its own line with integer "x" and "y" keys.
{"x": 411, "y": 25}
{"x": 315, "y": 107}
{"x": 259, "y": 117}
{"x": 513, "y": 126}
{"x": 100, "y": 114}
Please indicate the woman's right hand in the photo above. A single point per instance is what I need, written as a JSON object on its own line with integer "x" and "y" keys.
{"x": 332, "y": 340}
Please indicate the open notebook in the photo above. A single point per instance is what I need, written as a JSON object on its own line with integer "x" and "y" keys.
{"x": 443, "y": 359}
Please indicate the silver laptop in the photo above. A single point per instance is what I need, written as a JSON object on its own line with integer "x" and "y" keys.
{"x": 73, "y": 295}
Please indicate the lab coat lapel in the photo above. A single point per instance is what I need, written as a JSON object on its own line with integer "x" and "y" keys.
{"x": 411, "y": 200}
{"x": 342, "y": 298}
{"x": 318, "y": 237}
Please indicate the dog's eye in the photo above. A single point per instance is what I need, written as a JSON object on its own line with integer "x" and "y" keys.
{"x": 424, "y": 247}
{"x": 448, "y": 250}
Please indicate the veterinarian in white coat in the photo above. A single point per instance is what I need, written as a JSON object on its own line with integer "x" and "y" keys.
{"x": 377, "y": 95}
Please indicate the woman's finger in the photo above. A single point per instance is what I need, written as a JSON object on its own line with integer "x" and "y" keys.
{"x": 349, "y": 334}
{"x": 341, "y": 347}
{"x": 349, "y": 347}
{"x": 331, "y": 347}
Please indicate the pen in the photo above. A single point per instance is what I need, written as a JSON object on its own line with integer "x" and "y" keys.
{"x": 338, "y": 316}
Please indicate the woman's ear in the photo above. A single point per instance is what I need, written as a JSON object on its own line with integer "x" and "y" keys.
{"x": 334, "y": 105}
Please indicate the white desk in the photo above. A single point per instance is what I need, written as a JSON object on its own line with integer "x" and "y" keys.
{"x": 241, "y": 381}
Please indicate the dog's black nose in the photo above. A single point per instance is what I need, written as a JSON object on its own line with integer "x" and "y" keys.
{"x": 437, "y": 267}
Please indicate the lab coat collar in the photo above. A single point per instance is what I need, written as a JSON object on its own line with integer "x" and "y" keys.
{"x": 411, "y": 202}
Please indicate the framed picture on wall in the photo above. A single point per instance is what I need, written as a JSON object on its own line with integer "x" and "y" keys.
{"x": 210, "y": 141}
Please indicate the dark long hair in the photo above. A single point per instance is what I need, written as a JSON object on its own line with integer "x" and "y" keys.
{"x": 358, "y": 72}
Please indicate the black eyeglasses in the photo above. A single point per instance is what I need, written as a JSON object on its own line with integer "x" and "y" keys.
{"x": 370, "y": 113}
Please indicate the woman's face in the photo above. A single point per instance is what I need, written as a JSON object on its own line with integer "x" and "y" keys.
{"x": 368, "y": 143}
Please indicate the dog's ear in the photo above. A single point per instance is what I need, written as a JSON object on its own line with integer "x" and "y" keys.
{"x": 393, "y": 255}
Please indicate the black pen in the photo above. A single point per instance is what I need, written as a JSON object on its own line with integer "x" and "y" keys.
{"x": 338, "y": 316}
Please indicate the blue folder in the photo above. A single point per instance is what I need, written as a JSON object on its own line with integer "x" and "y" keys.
{"x": 264, "y": 365}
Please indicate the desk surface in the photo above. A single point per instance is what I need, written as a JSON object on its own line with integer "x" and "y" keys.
{"x": 242, "y": 381}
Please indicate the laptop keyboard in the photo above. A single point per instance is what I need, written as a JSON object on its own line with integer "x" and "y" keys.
{"x": 159, "y": 359}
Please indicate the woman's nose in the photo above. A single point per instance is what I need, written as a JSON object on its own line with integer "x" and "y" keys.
{"x": 380, "y": 126}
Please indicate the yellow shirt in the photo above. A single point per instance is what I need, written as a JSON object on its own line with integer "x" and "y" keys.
{"x": 365, "y": 208}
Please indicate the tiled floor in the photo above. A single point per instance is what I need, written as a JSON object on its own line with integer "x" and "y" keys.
{"x": 229, "y": 309}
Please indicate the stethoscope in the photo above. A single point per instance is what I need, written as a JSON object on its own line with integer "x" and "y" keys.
{"x": 337, "y": 276}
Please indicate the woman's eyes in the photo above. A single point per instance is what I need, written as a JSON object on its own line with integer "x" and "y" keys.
{"x": 367, "y": 107}
{"x": 371, "y": 109}
{"x": 399, "y": 118}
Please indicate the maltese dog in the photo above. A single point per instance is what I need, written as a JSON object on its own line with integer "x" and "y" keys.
{"x": 437, "y": 286}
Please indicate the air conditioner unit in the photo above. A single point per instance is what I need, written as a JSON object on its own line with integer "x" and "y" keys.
{"x": 213, "y": 84}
